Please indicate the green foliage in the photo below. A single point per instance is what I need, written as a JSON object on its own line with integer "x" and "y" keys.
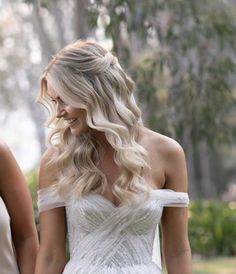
{"x": 216, "y": 265}
{"x": 32, "y": 178}
{"x": 212, "y": 228}
{"x": 184, "y": 82}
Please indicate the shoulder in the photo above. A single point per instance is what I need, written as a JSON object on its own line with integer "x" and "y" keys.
{"x": 11, "y": 176}
{"x": 48, "y": 171}
{"x": 167, "y": 157}
{"x": 165, "y": 146}
{"x": 7, "y": 159}
{"x": 4, "y": 151}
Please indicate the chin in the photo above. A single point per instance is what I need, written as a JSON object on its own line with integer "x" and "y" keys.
{"x": 78, "y": 132}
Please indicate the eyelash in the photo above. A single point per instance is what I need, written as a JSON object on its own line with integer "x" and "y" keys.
{"x": 55, "y": 101}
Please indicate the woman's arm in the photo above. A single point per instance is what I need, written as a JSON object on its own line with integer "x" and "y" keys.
{"x": 176, "y": 248}
{"x": 19, "y": 205}
{"x": 51, "y": 258}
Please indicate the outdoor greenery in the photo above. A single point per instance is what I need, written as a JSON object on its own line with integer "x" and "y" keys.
{"x": 32, "y": 178}
{"x": 215, "y": 266}
{"x": 181, "y": 55}
{"x": 212, "y": 228}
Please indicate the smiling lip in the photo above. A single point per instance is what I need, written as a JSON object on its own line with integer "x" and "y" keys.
{"x": 71, "y": 121}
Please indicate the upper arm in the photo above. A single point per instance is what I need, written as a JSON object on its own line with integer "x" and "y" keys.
{"x": 16, "y": 196}
{"x": 53, "y": 221}
{"x": 175, "y": 171}
{"x": 175, "y": 220}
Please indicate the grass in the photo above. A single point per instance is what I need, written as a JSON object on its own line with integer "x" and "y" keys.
{"x": 215, "y": 266}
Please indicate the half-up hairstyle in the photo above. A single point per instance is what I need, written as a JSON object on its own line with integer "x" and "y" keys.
{"x": 85, "y": 75}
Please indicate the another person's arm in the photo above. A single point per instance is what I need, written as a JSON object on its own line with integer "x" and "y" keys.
{"x": 17, "y": 199}
{"x": 176, "y": 248}
{"x": 51, "y": 258}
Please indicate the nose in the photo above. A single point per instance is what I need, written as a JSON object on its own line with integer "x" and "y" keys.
{"x": 60, "y": 111}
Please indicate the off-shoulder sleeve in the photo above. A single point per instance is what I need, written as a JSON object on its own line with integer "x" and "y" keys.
{"x": 48, "y": 198}
{"x": 170, "y": 198}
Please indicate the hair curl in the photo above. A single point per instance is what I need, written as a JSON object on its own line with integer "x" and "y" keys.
{"x": 85, "y": 75}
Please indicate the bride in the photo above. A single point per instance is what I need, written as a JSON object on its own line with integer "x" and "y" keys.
{"x": 106, "y": 181}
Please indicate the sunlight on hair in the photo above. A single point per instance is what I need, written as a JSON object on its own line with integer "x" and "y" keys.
{"x": 85, "y": 75}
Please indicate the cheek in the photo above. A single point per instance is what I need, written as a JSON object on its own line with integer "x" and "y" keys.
{"x": 81, "y": 114}
{"x": 84, "y": 115}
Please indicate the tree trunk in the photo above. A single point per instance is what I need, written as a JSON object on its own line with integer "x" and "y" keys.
{"x": 46, "y": 44}
{"x": 193, "y": 184}
{"x": 80, "y": 19}
{"x": 37, "y": 115}
{"x": 57, "y": 14}
{"x": 208, "y": 188}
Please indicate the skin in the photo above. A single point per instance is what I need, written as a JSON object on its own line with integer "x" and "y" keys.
{"x": 68, "y": 112}
{"x": 16, "y": 197}
{"x": 168, "y": 170}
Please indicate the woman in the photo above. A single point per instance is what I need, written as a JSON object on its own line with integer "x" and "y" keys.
{"x": 18, "y": 236}
{"x": 104, "y": 178}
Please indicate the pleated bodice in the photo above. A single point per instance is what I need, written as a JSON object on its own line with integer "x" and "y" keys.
{"x": 104, "y": 238}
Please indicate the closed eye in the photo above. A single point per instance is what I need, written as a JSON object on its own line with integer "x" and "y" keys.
{"x": 53, "y": 101}
{"x": 57, "y": 100}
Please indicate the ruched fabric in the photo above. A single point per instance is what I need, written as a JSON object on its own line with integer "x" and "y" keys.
{"x": 48, "y": 198}
{"x": 108, "y": 239}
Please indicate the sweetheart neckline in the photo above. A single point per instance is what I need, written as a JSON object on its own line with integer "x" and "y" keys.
{"x": 114, "y": 206}
{"x": 52, "y": 188}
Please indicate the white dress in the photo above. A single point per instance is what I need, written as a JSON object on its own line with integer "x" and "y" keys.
{"x": 106, "y": 239}
{"x": 8, "y": 263}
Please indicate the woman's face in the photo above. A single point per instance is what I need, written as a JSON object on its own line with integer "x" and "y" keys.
{"x": 75, "y": 118}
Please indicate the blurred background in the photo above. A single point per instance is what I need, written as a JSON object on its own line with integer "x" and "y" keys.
{"x": 182, "y": 56}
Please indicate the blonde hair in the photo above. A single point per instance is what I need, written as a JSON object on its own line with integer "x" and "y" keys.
{"x": 85, "y": 75}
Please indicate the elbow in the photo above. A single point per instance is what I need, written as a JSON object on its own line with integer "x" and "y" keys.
{"x": 178, "y": 256}
{"x": 181, "y": 252}
{"x": 50, "y": 260}
{"x": 178, "y": 251}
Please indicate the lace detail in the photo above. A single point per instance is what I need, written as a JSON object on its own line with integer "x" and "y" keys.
{"x": 107, "y": 239}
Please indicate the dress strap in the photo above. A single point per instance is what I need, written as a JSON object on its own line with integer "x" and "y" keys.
{"x": 171, "y": 198}
{"x": 48, "y": 198}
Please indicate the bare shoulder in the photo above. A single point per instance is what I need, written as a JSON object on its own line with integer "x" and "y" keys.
{"x": 48, "y": 172}
{"x": 163, "y": 145}
{"x": 4, "y": 151}
{"x": 7, "y": 160}
{"x": 167, "y": 157}
{"x": 3, "y": 146}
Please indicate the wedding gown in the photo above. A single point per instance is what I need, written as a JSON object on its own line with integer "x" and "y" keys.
{"x": 108, "y": 239}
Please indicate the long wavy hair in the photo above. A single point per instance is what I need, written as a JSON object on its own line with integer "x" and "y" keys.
{"x": 85, "y": 75}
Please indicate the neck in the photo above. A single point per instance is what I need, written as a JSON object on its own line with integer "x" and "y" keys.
{"x": 102, "y": 140}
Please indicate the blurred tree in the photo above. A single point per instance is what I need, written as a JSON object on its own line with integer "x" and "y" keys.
{"x": 30, "y": 33}
{"x": 180, "y": 53}
{"x": 182, "y": 71}
{"x": 21, "y": 57}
